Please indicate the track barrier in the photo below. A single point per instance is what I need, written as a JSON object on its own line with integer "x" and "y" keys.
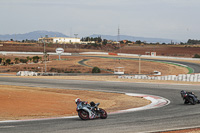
{"x": 181, "y": 77}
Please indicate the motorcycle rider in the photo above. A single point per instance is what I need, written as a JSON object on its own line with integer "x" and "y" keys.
{"x": 189, "y": 92}
{"x": 92, "y": 106}
{"x": 78, "y": 100}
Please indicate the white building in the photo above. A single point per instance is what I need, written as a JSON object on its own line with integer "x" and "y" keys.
{"x": 60, "y": 40}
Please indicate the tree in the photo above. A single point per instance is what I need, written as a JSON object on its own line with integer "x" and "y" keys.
{"x": 196, "y": 56}
{"x": 41, "y": 58}
{"x": 190, "y": 41}
{"x": 104, "y": 41}
{"x": 23, "y": 60}
{"x": 4, "y": 60}
{"x": 27, "y": 57}
{"x": 96, "y": 70}
{"x": 8, "y": 61}
{"x": 99, "y": 39}
{"x": 35, "y": 59}
{"x": 30, "y": 59}
{"x": 138, "y": 42}
{"x": 121, "y": 42}
{"x": 16, "y": 60}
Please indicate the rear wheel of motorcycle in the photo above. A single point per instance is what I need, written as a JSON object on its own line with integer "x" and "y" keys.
{"x": 84, "y": 115}
{"x": 103, "y": 114}
{"x": 192, "y": 101}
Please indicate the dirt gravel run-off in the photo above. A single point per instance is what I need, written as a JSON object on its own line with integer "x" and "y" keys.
{"x": 18, "y": 102}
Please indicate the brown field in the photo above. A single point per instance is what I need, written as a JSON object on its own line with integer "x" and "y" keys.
{"x": 132, "y": 66}
{"x": 18, "y": 102}
{"x": 70, "y": 64}
{"x": 161, "y": 50}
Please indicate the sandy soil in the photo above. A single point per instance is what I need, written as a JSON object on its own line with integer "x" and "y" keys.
{"x": 19, "y": 102}
{"x": 163, "y": 50}
{"x": 132, "y": 66}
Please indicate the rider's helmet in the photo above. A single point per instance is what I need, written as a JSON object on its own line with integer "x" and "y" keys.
{"x": 183, "y": 91}
{"x": 92, "y": 104}
{"x": 77, "y": 100}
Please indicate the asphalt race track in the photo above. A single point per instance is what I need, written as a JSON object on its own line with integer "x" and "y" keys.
{"x": 176, "y": 115}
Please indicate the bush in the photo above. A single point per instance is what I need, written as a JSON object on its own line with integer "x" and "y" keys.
{"x": 96, "y": 70}
{"x": 16, "y": 60}
{"x": 8, "y": 61}
{"x": 53, "y": 69}
{"x": 23, "y": 60}
{"x": 36, "y": 59}
{"x": 196, "y": 56}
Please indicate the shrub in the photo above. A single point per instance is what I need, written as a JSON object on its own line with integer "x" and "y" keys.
{"x": 36, "y": 59}
{"x": 96, "y": 70}
{"x": 53, "y": 69}
{"x": 16, "y": 60}
{"x": 196, "y": 56}
{"x": 8, "y": 61}
{"x": 23, "y": 60}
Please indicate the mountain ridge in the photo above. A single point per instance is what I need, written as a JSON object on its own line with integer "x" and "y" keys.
{"x": 34, "y": 35}
{"x": 134, "y": 38}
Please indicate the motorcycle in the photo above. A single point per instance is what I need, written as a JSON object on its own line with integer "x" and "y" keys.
{"x": 189, "y": 97}
{"x": 86, "y": 111}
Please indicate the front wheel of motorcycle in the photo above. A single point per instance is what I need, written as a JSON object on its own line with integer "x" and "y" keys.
{"x": 84, "y": 115}
{"x": 103, "y": 114}
{"x": 186, "y": 102}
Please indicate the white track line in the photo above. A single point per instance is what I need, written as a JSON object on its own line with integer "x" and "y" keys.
{"x": 156, "y": 102}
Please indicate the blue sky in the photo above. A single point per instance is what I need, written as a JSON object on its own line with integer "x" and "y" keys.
{"x": 173, "y": 19}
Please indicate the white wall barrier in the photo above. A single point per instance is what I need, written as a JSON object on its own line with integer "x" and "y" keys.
{"x": 165, "y": 57}
{"x": 101, "y": 53}
{"x": 180, "y": 77}
{"x": 32, "y": 53}
{"x": 26, "y": 73}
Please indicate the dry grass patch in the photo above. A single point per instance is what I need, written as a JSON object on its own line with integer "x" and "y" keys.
{"x": 18, "y": 102}
{"x": 69, "y": 64}
{"x": 132, "y": 66}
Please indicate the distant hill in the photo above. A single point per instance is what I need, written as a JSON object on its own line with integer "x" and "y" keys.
{"x": 37, "y": 34}
{"x": 31, "y": 35}
{"x": 133, "y": 38}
